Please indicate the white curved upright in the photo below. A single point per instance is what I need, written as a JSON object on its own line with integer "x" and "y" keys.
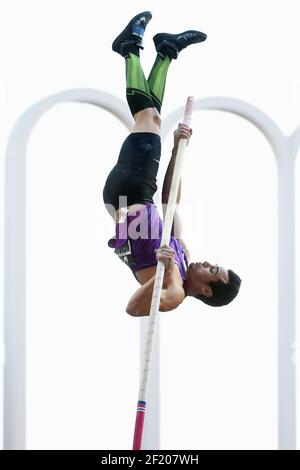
{"x": 15, "y": 252}
{"x": 284, "y": 148}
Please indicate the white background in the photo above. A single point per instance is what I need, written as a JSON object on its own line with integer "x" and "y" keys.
{"x": 219, "y": 370}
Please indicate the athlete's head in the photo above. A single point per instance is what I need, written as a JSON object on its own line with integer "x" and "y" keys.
{"x": 213, "y": 284}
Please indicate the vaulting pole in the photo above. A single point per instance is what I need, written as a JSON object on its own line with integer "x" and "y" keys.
{"x": 159, "y": 276}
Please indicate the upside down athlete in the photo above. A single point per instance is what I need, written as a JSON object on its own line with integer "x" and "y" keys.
{"x": 131, "y": 184}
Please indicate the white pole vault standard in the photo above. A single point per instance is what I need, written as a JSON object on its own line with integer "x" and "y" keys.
{"x": 158, "y": 282}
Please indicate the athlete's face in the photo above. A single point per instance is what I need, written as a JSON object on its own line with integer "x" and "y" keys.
{"x": 199, "y": 275}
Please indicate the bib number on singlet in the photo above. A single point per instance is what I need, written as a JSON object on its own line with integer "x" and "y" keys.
{"x": 125, "y": 254}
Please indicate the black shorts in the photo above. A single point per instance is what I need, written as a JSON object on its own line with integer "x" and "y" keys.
{"x": 134, "y": 174}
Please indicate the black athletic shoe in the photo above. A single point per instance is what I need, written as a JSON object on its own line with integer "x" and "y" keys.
{"x": 133, "y": 33}
{"x": 174, "y": 43}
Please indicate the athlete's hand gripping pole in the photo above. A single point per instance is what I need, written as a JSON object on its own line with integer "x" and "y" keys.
{"x": 159, "y": 276}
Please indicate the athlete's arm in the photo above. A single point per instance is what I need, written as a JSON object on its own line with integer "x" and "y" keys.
{"x": 172, "y": 293}
{"x": 182, "y": 132}
{"x": 171, "y": 297}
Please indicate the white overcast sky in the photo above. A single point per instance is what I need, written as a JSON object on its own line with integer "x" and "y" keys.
{"x": 82, "y": 353}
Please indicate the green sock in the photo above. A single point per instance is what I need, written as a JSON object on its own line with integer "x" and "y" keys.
{"x": 137, "y": 89}
{"x": 157, "y": 80}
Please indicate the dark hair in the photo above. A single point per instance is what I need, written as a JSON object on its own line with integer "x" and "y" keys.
{"x": 223, "y": 293}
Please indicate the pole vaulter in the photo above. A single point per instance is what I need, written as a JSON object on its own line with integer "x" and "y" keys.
{"x": 157, "y": 256}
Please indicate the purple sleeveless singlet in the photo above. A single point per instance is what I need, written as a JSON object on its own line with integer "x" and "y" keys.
{"x": 139, "y": 235}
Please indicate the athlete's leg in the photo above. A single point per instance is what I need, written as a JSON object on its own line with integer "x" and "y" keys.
{"x": 140, "y": 152}
{"x": 128, "y": 45}
{"x": 157, "y": 79}
{"x": 168, "y": 47}
{"x": 134, "y": 175}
